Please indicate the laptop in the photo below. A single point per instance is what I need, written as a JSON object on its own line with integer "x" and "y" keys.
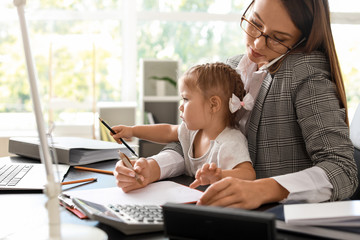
{"x": 26, "y": 176}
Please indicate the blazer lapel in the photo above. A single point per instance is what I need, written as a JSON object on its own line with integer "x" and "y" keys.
{"x": 255, "y": 116}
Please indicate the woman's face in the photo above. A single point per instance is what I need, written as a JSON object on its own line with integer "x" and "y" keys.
{"x": 271, "y": 17}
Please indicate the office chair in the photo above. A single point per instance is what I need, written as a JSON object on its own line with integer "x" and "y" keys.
{"x": 355, "y": 138}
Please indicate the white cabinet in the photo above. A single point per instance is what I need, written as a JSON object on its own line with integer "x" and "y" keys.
{"x": 116, "y": 113}
{"x": 159, "y": 97}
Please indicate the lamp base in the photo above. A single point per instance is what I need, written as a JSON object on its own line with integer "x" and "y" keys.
{"x": 68, "y": 232}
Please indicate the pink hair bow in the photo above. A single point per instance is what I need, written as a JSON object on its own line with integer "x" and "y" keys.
{"x": 235, "y": 103}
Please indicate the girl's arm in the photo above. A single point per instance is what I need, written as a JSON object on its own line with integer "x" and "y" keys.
{"x": 159, "y": 133}
{"x": 210, "y": 173}
{"x": 243, "y": 170}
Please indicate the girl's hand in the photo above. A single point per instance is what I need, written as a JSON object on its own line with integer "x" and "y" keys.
{"x": 147, "y": 169}
{"x": 125, "y": 177}
{"x": 208, "y": 174}
{"x": 122, "y": 132}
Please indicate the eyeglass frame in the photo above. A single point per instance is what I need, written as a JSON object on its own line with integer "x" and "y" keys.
{"x": 262, "y": 33}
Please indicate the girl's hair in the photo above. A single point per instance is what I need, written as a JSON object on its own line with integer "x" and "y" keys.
{"x": 312, "y": 18}
{"x": 216, "y": 79}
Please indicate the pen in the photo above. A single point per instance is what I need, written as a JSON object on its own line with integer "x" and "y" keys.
{"x": 113, "y": 132}
{"x": 80, "y": 181}
{"x": 93, "y": 170}
{"x": 128, "y": 164}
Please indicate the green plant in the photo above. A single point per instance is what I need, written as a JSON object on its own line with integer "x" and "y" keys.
{"x": 167, "y": 79}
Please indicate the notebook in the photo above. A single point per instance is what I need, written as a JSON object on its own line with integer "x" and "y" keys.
{"x": 26, "y": 176}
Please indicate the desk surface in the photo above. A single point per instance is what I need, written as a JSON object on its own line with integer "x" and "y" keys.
{"x": 27, "y": 208}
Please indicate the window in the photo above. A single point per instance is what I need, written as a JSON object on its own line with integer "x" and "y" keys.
{"x": 345, "y": 26}
{"x": 89, "y": 51}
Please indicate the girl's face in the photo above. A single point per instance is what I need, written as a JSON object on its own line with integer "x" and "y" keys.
{"x": 194, "y": 109}
{"x": 271, "y": 17}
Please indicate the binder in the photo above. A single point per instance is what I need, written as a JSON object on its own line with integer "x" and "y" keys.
{"x": 69, "y": 150}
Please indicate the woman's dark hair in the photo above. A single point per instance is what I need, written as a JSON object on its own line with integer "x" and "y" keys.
{"x": 312, "y": 18}
{"x": 217, "y": 79}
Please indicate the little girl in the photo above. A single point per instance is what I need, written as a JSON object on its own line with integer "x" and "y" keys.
{"x": 213, "y": 147}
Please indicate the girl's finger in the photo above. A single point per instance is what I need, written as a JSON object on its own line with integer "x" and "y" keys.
{"x": 195, "y": 184}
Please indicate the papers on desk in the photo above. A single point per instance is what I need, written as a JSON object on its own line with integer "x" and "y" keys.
{"x": 157, "y": 193}
{"x": 339, "y": 214}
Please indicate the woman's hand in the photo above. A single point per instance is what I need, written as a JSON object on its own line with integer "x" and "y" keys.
{"x": 122, "y": 131}
{"x": 148, "y": 171}
{"x": 238, "y": 193}
{"x": 208, "y": 174}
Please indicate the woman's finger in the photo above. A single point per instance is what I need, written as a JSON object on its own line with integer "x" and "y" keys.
{"x": 215, "y": 191}
{"x": 227, "y": 201}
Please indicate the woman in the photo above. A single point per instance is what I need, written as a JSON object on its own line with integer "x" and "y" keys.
{"x": 297, "y": 132}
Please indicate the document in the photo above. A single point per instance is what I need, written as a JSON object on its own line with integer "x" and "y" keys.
{"x": 69, "y": 150}
{"x": 339, "y": 214}
{"x": 157, "y": 193}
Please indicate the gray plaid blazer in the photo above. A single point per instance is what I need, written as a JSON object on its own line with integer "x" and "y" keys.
{"x": 297, "y": 123}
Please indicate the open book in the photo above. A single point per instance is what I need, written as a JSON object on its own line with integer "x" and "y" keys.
{"x": 337, "y": 214}
{"x": 69, "y": 150}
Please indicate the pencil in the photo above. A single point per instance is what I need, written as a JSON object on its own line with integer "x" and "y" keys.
{"x": 94, "y": 170}
{"x": 80, "y": 181}
{"x": 128, "y": 164}
{"x": 122, "y": 140}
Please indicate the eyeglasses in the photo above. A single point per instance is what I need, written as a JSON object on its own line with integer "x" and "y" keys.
{"x": 254, "y": 32}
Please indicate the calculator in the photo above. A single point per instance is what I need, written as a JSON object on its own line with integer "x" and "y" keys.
{"x": 129, "y": 219}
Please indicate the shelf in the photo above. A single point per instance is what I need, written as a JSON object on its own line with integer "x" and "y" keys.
{"x": 162, "y": 99}
{"x": 158, "y": 97}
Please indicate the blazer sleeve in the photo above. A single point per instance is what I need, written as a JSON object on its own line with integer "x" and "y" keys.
{"x": 325, "y": 132}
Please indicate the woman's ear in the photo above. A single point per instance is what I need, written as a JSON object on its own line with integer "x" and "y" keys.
{"x": 215, "y": 104}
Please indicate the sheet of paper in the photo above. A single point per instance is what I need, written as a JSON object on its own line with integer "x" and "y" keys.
{"x": 157, "y": 193}
{"x": 60, "y": 170}
{"x": 342, "y": 213}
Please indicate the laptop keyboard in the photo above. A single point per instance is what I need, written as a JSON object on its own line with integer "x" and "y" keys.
{"x": 11, "y": 174}
{"x": 146, "y": 214}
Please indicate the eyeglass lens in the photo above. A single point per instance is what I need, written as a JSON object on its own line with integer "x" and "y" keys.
{"x": 254, "y": 32}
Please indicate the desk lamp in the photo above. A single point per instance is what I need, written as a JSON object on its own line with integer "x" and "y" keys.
{"x": 52, "y": 188}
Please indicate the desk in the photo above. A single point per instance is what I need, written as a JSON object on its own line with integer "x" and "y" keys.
{"x": 25, "y": 210}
